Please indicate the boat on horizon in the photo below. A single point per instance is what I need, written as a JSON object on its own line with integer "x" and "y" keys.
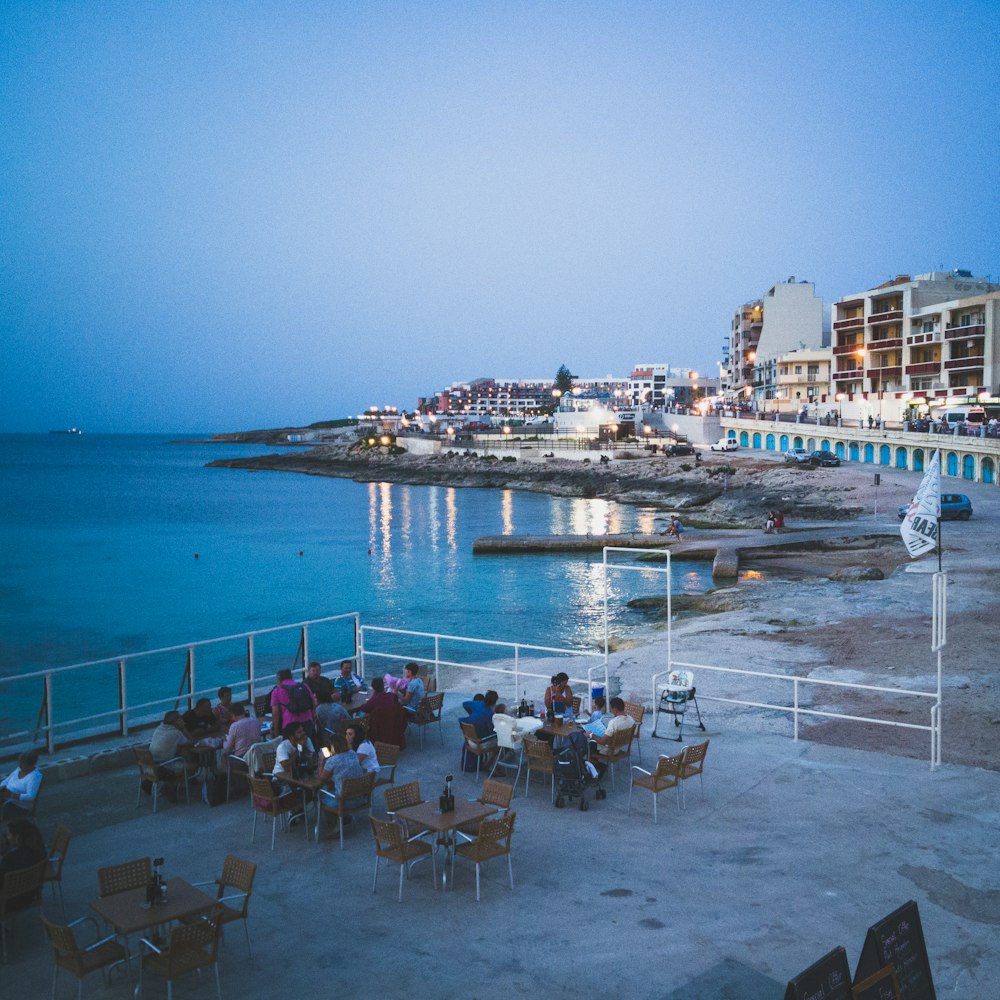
{"x": 68, "y": 430}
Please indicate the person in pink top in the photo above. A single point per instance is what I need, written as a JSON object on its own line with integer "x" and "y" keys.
{"x": 242, "y": 735}
{"x": 291, "y": 701}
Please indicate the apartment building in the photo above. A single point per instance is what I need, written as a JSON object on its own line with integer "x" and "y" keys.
{"x": 790, "y": 317}
{"x": 803, "y": 379}
{"x": 912, "y": 338}
{"x": 659, "y": 386}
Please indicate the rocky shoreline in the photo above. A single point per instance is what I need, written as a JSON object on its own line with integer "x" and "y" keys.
{"x": 721, "y": 491}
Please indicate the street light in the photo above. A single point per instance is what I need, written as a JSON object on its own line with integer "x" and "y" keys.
{"x": 840, "y": 409}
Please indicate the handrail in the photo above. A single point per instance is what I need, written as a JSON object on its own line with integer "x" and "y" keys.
{"x": 796, "y": 709}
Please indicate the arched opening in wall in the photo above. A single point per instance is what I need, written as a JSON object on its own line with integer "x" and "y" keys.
{"x": 744, "y": 439}
{"x": 769, "y": 442}
{"x": 783, "y": 442}
{"x": 918, "y": 459}
{"x": 951, "y": 464}
{"x": 839, "y": 450}
{"x": 969, "y": 467}
{"x": 853, "y": 451}
{"x": 901, "y": 458}
{"x": 884, "y": 455}
{"x": 988, "y": 470}
{"x": 756, "y": 439}
{"x": 869, "y": 453}
{"x": 796, "y": 442}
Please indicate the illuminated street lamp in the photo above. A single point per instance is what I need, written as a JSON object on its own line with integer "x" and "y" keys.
{"x": 840, "y": 408}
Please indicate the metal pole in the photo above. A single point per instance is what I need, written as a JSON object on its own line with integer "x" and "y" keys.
{"x": 250, "y": 669}
{"x": 795, "y": 702}
{"x": 50, "y": 738}
{"x": 517, "y": 670}
{"x": 305, "y": 648}
{"x": 122, "y": 699}
{"x": 190, "y": 673}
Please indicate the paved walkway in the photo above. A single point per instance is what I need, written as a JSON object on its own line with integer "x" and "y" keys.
{"x": 794, "y": 848}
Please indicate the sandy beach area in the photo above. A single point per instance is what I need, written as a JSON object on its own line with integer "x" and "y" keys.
{"x": 796, "y": 608}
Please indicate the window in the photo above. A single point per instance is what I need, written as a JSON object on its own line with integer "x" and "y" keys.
{"x": 798, "y": 369}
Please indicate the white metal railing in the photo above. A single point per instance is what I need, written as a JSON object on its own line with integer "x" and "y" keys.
{"x": 796, "y": 709}
{"x": 124, "y": 714}
{"x": 509, "y": 665}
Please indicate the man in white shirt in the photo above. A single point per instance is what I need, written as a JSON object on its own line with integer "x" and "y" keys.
{"x": 19, "y": 789}
{"x": 619, "y": 721}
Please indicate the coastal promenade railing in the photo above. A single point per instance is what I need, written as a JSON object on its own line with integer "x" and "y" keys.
{"x": 105, "y": 697}
{"x": 796, "y": 708}
{"x": 507, "y": 662}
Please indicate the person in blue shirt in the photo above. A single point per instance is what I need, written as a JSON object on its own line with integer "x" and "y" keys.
{"x": 414, "y": 693}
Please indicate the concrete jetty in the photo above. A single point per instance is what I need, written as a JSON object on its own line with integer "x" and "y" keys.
{"x": 722, "y": 548}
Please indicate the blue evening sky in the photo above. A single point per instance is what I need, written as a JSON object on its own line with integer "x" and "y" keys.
{"x": 218, "y": 216}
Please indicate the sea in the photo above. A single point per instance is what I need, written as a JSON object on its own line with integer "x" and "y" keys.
{"x": 114, "y": 544}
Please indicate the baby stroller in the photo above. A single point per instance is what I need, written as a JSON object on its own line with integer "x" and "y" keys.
{"x": 573, "y": 770}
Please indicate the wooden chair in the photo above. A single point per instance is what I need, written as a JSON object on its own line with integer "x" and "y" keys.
{"x": 113, "y": 879}
{"x": 190, "y": 947}
{"x": 20, "y": 890}
{"x": 57, "y": 857}
{"x": 399, "y": 797}
{"x": 81, "y": 960}
{"x": 388, "y": 757}
{"x": 636, "y": 713}
{"x": 267, "y": 801}
{"x": 619, "y": 748}
{"x": 495, "y": 793}
{"x": 355, "y": 797}
{"x": 693, "y": 763}
{"x": 477, "y": 746}
{"x": 538, "y": 757}
{"x": 393, "y": 844}
{"x": 493, "y": 842}
{"x": 159, "y": 776}
{"x": 666, "y": 775}
{"x": 239, "y": 875}
{"x": 429, "y": 712}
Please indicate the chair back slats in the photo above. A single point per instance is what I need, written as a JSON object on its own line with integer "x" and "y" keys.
{"x": 22, "y": 888}
{"x": 636, "y": 713}
{"x": 496, "y": 793}
{"x": 239, "y": 874}
{"x": 538, "y": 752}
{"x": 120, "y": 878}
{"x": 387, "y": 834}
{"x": 694, "y": 758}
{"x": 667, "y": 767}
{"x": 400, "y": 796}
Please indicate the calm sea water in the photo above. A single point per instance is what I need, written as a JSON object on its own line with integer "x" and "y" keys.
{"x": 99, "y": 536}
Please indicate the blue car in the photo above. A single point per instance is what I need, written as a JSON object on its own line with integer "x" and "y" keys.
{"x": 954, "y": 507}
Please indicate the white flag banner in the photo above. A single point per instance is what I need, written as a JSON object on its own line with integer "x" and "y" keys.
{"x": 920, "y": 526}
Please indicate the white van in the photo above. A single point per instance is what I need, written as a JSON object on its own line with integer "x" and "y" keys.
{"x": 953, "y": 415}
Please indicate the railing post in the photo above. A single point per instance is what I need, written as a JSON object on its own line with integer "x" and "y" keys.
{"x": 305, "y": 649}
{"x": 437, "y": 662}
{"x": 122, "y": 699}
{"x": 50, "y": 736}
{"x": 795, "y": 714}
{"x": 190, "y": 676}
{"x": 358, "y": 664}
{"x": 359, "y": 649}
{"x": 517, "y": 671}
{"x": 250, "y": 669}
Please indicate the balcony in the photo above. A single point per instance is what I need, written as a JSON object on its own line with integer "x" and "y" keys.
{"x": 958, "y": 332}
{"x": 927, "y": 368}
{"x": 853, "y": 322}
{"x": 887, "y": 317}
{"x": 914, "y": 339}
{"x": 848, "y": 376}
{"x": 975, "y": 361}
{"x": 884, "y": 374}
{"x": 888, "y": 344}
{"x": 848, "y": 348}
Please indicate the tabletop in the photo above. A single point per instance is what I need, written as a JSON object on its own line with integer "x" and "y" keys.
{"x": 312, "y": 781}
{"x": 128, "y": 914}
{"x": 558, "y": 728}
{"x": 429, "y": 815}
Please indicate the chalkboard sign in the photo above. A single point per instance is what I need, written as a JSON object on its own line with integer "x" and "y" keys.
{"x": 881, "y": 986}
{"x": 827, "y": 979}
{"x": 898, "y": 940}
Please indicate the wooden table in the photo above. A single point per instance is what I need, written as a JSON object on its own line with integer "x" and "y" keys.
{"x": 557, "y": 727}
{"x": 427, "y": 814}
{"x": 128, "y": 914}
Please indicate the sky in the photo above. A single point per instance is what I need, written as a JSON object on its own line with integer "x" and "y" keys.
{"x": 220, "y": 216}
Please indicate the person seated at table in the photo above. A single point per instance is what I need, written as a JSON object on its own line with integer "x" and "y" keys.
{"x": 480, "y": 713}
{"x": 170, "y": 739}
{"x": 618, "y": 721}
{"x": 558, "y": 691}
{"x": 342, "y": 763}
{"x": 329, "y": 715}
{"x": 597, "y": 707}
{"x": 200, "y": 721}
{"x": 19, "y": 789}
{"x": 414, "y": 694}
{"x": 224, "y": 711}
{"x": 349, "y": 683}
{"x": 321, "y": 687}
{"x": 242, "y": 735}
{"x": 386, "y": 717}
{"x": 24, "y": 848}
{"x": 292, "y": 749}
{"x": 362, "y": 746}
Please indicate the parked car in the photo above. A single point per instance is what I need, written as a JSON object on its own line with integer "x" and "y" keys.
{"x": 678, "y": 449}
{"x": 798, "y": 455}
{"x": 954, "y": 507}
{"x": 725, "y": 444}
{"x": 824, "y": 457}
